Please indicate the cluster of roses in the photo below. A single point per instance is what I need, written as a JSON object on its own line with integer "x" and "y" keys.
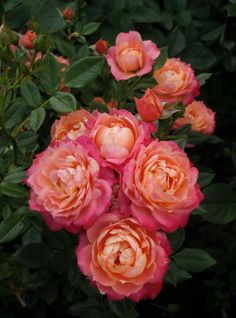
{"x": 105, "y": 177}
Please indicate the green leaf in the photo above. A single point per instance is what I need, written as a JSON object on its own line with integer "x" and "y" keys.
{"x": 62, "y": 102}
{"x": 90, "y": 28}
{"x": 177, "y": 239}
{"x": 199, "y": 56}
{"x": 84, "y": 306}
{"x": 13, "y": 190}
{"x": 176, "y": 275}
{"x": 176, "y": 42}
{"x": 27, "y": 138}
{"x": 15, "y": 176}
{"x": 50, "y": 75}
{"x": 203, "y": 77}
{"x": 231, "y": 10}
{"x": 5, "y": 271}
{"x": 30, "y": 93}
{"x": 205, "y": 178}
{"x": 234, "y": 154}
{"x": 32, "y": 235}
{"x": 193, "y": 260}
{"x": 49, "y": 18}
{"x": 212, "y": 34}
{"x": 37, "y": 118}
{"x": 12, "y": 227}
{"x": 160, "y": 61}
{"x": 124, "y": 308}
{"x": 220, "y": 203}
{"x": 35, "y": 255}
{"x": 199, "y": 211}
{"x": 83, "y": 71}
{"x": 196, "y": 137}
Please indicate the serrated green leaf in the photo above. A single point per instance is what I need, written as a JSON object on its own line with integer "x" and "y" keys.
{"x": 220, "y": 204}
{"x": 160, "y": 61}
{"x": 193, "y": 260}
{"x": 90, "y": 28}
{"x": 13, "y": 190}
{"x": 83, "y": 71}
{"x": 12, "y": 227}
{"x": 205, "y": 178}
{"x": 50, "y": 75}
{"x": 30, "y": 93}
{"x": 203, "y": 77}
{"x": 62, "y": 102}
{"x": 37, "y": 118}
{"x": 35, "y": 255}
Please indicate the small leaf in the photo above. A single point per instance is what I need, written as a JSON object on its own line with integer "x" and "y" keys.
{"x": 234, "y": 154}
{"x": 15, "y": 176}
{"x": 193, "y": 260}
{"x": 83, "y": 71}
{"x": 177, "y": 42}
{"x": 90, "y": 28}
{"x": 30, "y": 93}
{"x": 176, "y": 275}
{"x": 50, "y": 76}
{"x": 62, "y": 102}
{"x": 203, "y": 77}
{"x": 205, "y": 178}
{"x": 32, "y": 235}
{"x": 220, "y": 203}
{"x": 35, "y": 255}
{"x": 37, "y": 118}
{"x": 177, "y": 239}
{"x": 12, "y": 227}
{"x": 124, "y": 308}
{"x": 160, "y": 61}
{"x": 13, "y": 190}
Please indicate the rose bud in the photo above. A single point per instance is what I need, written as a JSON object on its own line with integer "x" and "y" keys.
{"x": 67, "y": 14}
{"x": 27, "y": 39}
{"x": 101, "y": 46}
{"x": 149, "y": 106}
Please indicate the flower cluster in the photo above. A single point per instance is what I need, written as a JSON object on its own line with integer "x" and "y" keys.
{"x": 105, "y": 176}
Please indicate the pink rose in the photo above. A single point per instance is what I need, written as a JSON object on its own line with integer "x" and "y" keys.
{"x": 176, "y": 82}
{"x": 162, "y": 185}
{"x": 131, "y": 56}
{"x": 117, "y": 135}
{"x": 149, "y": 106}
{"x": 122, "y": 259}
{"x": 200, "y": 117}
{"x": 67, "y": 187}
{"x": 70, "y": 126}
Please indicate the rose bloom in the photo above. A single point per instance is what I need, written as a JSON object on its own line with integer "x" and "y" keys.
{"x": 122, "y": 259}
{"x": 27, "y": 39}
{"x": 70, "y": 126}
{"x": 176, "y": 82}
{"x": 67, "y": 187}
{"x": 162, "y": 185}
{"x": 116, "y": 135}
{"x": 131, "y": 56}
{"x": 200, "y": 117}
{"x": 149, "y": 106}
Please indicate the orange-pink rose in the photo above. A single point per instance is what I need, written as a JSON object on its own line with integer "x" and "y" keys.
{"x": 200, "y": 117}
{"x": 70, "y": 126}
{"x": 162, "y": 185}
{"x": 131, "y": 56}
{"x": 176, "y": 82}
{"x": 67, "y": 186}
{"x": 149, "y": 106}
{"x": 116, "y": 135}
{"x": 122, "y": 259}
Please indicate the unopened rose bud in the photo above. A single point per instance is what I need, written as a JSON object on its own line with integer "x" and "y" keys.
{"x": 101, "y": 46}
{"x": 27, "y": 39}
{"x": 149, "y": 106}
{"x": 67, "y": 14}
